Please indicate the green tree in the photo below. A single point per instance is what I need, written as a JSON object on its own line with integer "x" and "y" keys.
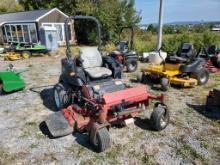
{"x": 168, "y": 29}
{"x": 9, "y": 6}
{"x": 151, "y": 28}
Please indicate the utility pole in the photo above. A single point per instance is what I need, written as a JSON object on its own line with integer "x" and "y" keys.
{"x": 160, "y": 25}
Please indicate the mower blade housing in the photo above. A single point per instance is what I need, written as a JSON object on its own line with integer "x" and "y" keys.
{"x": 58, "y": 125}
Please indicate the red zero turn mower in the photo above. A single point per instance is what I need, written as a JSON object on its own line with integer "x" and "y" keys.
{"x": 125, "y": 53}
{"x": 90, "y": 100}
{"x": 212, "y": 57}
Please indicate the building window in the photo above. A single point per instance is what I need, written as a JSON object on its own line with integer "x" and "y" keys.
{"x": 26, "y": 33}
{"x": 20, "y": 33}
{"x": 60, "y": 30}
{"x": 23, "y": 33}
{"x": 33, "y": 33}
{"x": 8, "y": 33}
{"x": 14, "y": 33}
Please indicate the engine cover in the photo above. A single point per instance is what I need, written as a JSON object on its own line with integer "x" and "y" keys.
{"x": 97, "y": 90}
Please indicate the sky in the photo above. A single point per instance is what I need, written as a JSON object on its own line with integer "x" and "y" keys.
{"x": 179, "y": 10}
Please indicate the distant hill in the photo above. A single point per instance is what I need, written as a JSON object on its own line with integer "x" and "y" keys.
{"x": 192, "y": 22}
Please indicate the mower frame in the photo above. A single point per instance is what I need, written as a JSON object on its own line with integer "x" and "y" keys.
{"x": 95, "y": 115}
{"x": 176, "y": 73}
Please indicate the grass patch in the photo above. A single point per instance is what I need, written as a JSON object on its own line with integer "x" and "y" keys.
{"x": 29, "y": 128}
{"x": 187, "y": 152}
{"x": 148, "y": 159}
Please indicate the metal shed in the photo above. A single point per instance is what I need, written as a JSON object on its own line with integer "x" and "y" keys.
{"x": 23, "y": 27}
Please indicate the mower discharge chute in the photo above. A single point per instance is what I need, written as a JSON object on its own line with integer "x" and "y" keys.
{"x": 124, "y": 53}
{"x": 183, "y": 69}
{"x": 91, "y": 98}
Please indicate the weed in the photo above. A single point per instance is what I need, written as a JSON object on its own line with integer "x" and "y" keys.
{"x": 33, "y": 146}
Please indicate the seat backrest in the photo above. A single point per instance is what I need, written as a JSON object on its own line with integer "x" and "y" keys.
{"x": 90, "y": 57}
{"x": 122, "y": 46}
{"x": 186, "y": 50}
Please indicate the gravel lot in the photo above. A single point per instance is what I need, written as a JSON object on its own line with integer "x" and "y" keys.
{"x": 192, "y": 137}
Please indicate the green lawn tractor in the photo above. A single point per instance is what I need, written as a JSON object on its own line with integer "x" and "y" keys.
{"x": 10, "y": 80}
{"x": 24, "y": 51}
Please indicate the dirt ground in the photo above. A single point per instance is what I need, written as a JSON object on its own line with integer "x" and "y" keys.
{"x": 192, "y": 137}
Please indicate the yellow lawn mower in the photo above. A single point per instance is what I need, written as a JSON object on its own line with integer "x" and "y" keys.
{"x": 182, "y": 69}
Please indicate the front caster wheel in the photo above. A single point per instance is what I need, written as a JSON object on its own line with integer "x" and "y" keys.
{"x": 160, "y": 118}
{"x": 165, "y": 84}
{"x": 101, "y": 140}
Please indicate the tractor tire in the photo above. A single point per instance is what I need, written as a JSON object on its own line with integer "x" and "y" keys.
{"x": 160, "y": 118}
{"x": 61, "y": 98}
{"x": 102, "y": 140}
{"x": 131, "y": 65}
{"x": 26, "y": 54}
{"x": 202, "y": 76}
{"x": 141, "y": 78}
{"x": 164, "y": 84}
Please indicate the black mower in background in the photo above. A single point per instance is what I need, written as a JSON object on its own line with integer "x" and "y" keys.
{"x": 125, "y": 53}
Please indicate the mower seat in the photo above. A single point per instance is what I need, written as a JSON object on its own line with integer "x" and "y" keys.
{"x": 211, "y": 50}
{"x": 92, "y": 63}
{"x": 122, "y": 46}
{"x": 186, "y": 51}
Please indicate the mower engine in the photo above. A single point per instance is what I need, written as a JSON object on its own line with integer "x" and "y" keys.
{"x": 97, "y": 90}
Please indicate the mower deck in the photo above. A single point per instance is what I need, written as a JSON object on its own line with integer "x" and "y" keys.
{"x": 169, "y": 71}
{"x": 78, "y": 117}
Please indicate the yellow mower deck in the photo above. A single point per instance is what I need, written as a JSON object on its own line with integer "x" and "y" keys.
{"x": 171, "y": 72}
{"x": 12, "y": 56}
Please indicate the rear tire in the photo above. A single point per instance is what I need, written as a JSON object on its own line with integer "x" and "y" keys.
{"x": 160, "y": 118}
{"x": 131, "y": 65}
{"x": 102, "y": 140}
{"x": 61, "y": 98}
{"x": 202, "y": 76}
{"x": 26, "y": 54}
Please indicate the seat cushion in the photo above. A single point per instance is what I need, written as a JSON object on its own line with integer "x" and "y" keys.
{"x": 98, "y": 72}
{"x": 90, "y": 57}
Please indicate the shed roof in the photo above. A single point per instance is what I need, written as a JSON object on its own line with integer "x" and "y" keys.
{"x": 26, "y": 16}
